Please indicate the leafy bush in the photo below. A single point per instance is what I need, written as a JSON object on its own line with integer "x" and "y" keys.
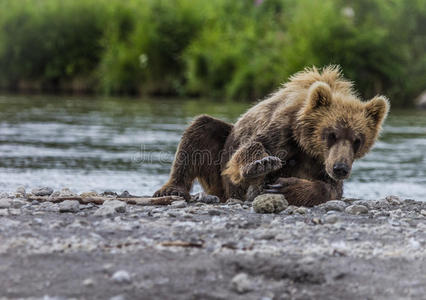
{"x": 229, "y": 49}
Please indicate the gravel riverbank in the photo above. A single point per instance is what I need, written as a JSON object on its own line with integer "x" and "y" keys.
{"x": 350, "y": 249}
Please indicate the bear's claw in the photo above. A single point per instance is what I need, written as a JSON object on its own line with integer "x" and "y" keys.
{"x": 262, "y": 167}
{"x": 172, "y": 191}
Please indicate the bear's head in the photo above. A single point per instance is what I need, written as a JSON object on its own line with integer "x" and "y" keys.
{"x": 337, "y": 128}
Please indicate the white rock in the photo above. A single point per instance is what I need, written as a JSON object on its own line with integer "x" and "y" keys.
{"x": 104, "y": 211}
{"x": 302, "y": 210}
{"x": 179, "y": 204}
{"x": 121, "y": 276}
{"x": 241, "y": 283}
{"x": 88, "y": 282}
{"x": 111, "y": 207}
{"x": 331, "y": 219}
{"x": 336, "y": 205}
{"x": 356, "y": 209}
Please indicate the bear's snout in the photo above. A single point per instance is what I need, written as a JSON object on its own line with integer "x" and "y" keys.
{"x": 341, "y": 170}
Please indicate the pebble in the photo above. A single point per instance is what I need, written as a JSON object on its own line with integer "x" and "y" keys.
{"x": 43, "y": 191}
{"x": 121, "y": 277}
{"x": 423, "y": 212}
{"x": 111, "y": 207}
{"x": 66, "y": 192}
{"x": 20, "y": 192}
{"x": 4, "y": 212}
{"x": 241, "y": 283}
{"x": 331, "y": 219}
{"x": 301, "y": 210}
{"x": 16, "y": 203}
{"x": 178, "y": 204}
{"x": 356, "y": 209}
{"x": 47, "y": 206}
{"x": 233, "y": 201}
{"x": 69, "y": 206}
{"x": 118, "y": 297}
{"x": 88, "y": 282}
{"x": 214, "y": 212}
{"x": 5, "y": 203}
{"x": 269, "y": 203}
{"x": 336, "y": 205}
{"x": 89, "y": 195}
{"x": 393, "y": 200}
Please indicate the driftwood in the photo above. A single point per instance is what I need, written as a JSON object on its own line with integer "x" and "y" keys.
{"x": 181, "y": 244}
{"x": 144, "y": 201}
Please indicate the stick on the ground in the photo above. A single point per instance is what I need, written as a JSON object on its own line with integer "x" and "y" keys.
{"x": 144, "y": 201}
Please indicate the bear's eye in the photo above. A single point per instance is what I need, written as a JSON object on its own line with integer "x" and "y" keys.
{"x": 331, "y": 139}
{"x": 356, "y": 145}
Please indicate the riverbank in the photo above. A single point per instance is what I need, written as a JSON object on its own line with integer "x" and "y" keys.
{"x": 348, "y": 249}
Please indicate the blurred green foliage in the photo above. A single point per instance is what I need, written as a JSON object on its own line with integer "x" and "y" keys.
{"x": 227, "y": 49}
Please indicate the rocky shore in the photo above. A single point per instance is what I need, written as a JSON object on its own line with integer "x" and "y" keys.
{"x": 349, "y": 249}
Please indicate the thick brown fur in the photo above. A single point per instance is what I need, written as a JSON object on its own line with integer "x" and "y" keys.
{"x": 300, "y": 142}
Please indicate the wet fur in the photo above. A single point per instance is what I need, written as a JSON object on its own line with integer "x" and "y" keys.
{"x": 282, "y": 140}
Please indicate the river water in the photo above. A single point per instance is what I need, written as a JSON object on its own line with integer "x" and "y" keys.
{"x": 128, "y": 144}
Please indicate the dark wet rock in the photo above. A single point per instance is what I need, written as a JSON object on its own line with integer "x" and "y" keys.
{"x": 356, "y": 209}
{"x": 69, "y": 206}
{"x": 214, "y": 212}
{"x": 109, "y": 193}
{"x": 126, "y": 194}
{"x": 269, "y": 203}
{"x": 43, "y": 191}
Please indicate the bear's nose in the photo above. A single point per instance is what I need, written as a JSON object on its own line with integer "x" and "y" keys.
{"x": 340, "y": 169}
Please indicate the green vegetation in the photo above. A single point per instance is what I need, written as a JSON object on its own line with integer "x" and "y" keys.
{"x": 227, "y": 49}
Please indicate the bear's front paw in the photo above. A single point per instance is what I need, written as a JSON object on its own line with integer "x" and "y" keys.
{"x": 297, "y": 191}
{"x": 261, "y": 167}
{"x": 172, "y": 190}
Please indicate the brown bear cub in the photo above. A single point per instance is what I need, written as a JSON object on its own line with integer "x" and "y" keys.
{"x": 301, "y": 142}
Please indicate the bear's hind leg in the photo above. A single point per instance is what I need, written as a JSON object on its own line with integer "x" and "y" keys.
{"x": 198, "y": 156}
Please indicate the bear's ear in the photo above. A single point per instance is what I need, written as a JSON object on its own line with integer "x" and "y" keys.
{"x": 377, "y": 110}
{"x": 319, "y": 95}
